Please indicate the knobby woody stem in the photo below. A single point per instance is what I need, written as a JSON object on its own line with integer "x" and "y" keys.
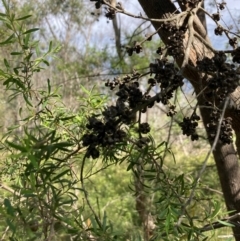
{"x": 191, "y": 35}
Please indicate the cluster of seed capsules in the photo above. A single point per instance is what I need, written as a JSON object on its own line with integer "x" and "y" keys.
{"x": 224, "y": 78}
{"x": 101, "y": 133}
{"x": 175, "y": 45}
{"x": 223, "y": 81}
{"x": 107, "y": 130}
{"x": 226, "y": 132}
{"x": 137, "y": 47}
{"x": 190, "y": 3}
{"x": 188, "y": 126}
{"x": 175, "y": 40}
{"x": 98, "y": 3}
{"x": 236, "y": 55}
{"x": 166, "y": 75}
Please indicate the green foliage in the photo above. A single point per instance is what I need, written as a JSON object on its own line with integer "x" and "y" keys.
{"x": 52, "y": 191}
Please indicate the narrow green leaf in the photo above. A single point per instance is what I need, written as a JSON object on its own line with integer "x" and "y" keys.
{"x": 22, "y": 18}
{"x": 17, "y": 147}
{"x": 3, "y": 14}
{"x": 85, "y": 90}
{"x": 57, "y": 49}
{"x": 6, "y": 63}
{"x": 6, "y": 6}
{"x": 49, "y": 86}
{"x": 63, "y": 144}
{"x": 28, "y": 193}
{"x": 33, "y": 179}
{"x": 33, "y": 160}
{"x": 72, "y": 231}
{"x": 18, "y": 83}
{"x": 226, "y": 223}
{"x": 20, "y": 111}
{"x": 8, "y": 40}
{"x": 50, "y": 47}
{"x": 104, "y": 223}
{"x": 27, "y": 100}
{"x": 7, "y": 81}
{"x": 9, "y": 207}
{"x": 9, "y": 26}
{"x": 12, "y": 16}
{"x": 45, "y": 62}
{"x": 70, "y": 201}
{"x": 11, "y": 226}
{"x": 68, "y": 118}
{"x": 26, "y": 40}
{"x": 167, "y": 223}
{"x": 217, "y": 207}
{"x": 28, "y": 57}
{"x": 31, "y": 30}
{"x": 16, "y": 53}
{"x": 60, "y": 175}
{"x": 16, "y": 71}
{"x": 2, "y": 19}
{"x": 93, "y": 223}
{"x": 4, "y": 74}
{"x": 131, "y": 165}
{"x": 37, "y": 49}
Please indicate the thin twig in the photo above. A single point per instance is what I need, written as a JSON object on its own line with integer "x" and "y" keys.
{"x": 213, "y": 190}
{"x": 226, "y": 31}
{"x": 99, "y": 170}
{"x": 118, "y": 10}
{"x": 4, "y": 233}
{"x": 170, "y": 129}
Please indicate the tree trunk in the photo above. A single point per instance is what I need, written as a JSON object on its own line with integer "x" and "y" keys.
{"x": 225, "y": 156}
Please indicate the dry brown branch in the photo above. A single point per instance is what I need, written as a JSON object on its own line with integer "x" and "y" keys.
{"x": 178, "y": 16}
{"x": 233, "y": 220}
